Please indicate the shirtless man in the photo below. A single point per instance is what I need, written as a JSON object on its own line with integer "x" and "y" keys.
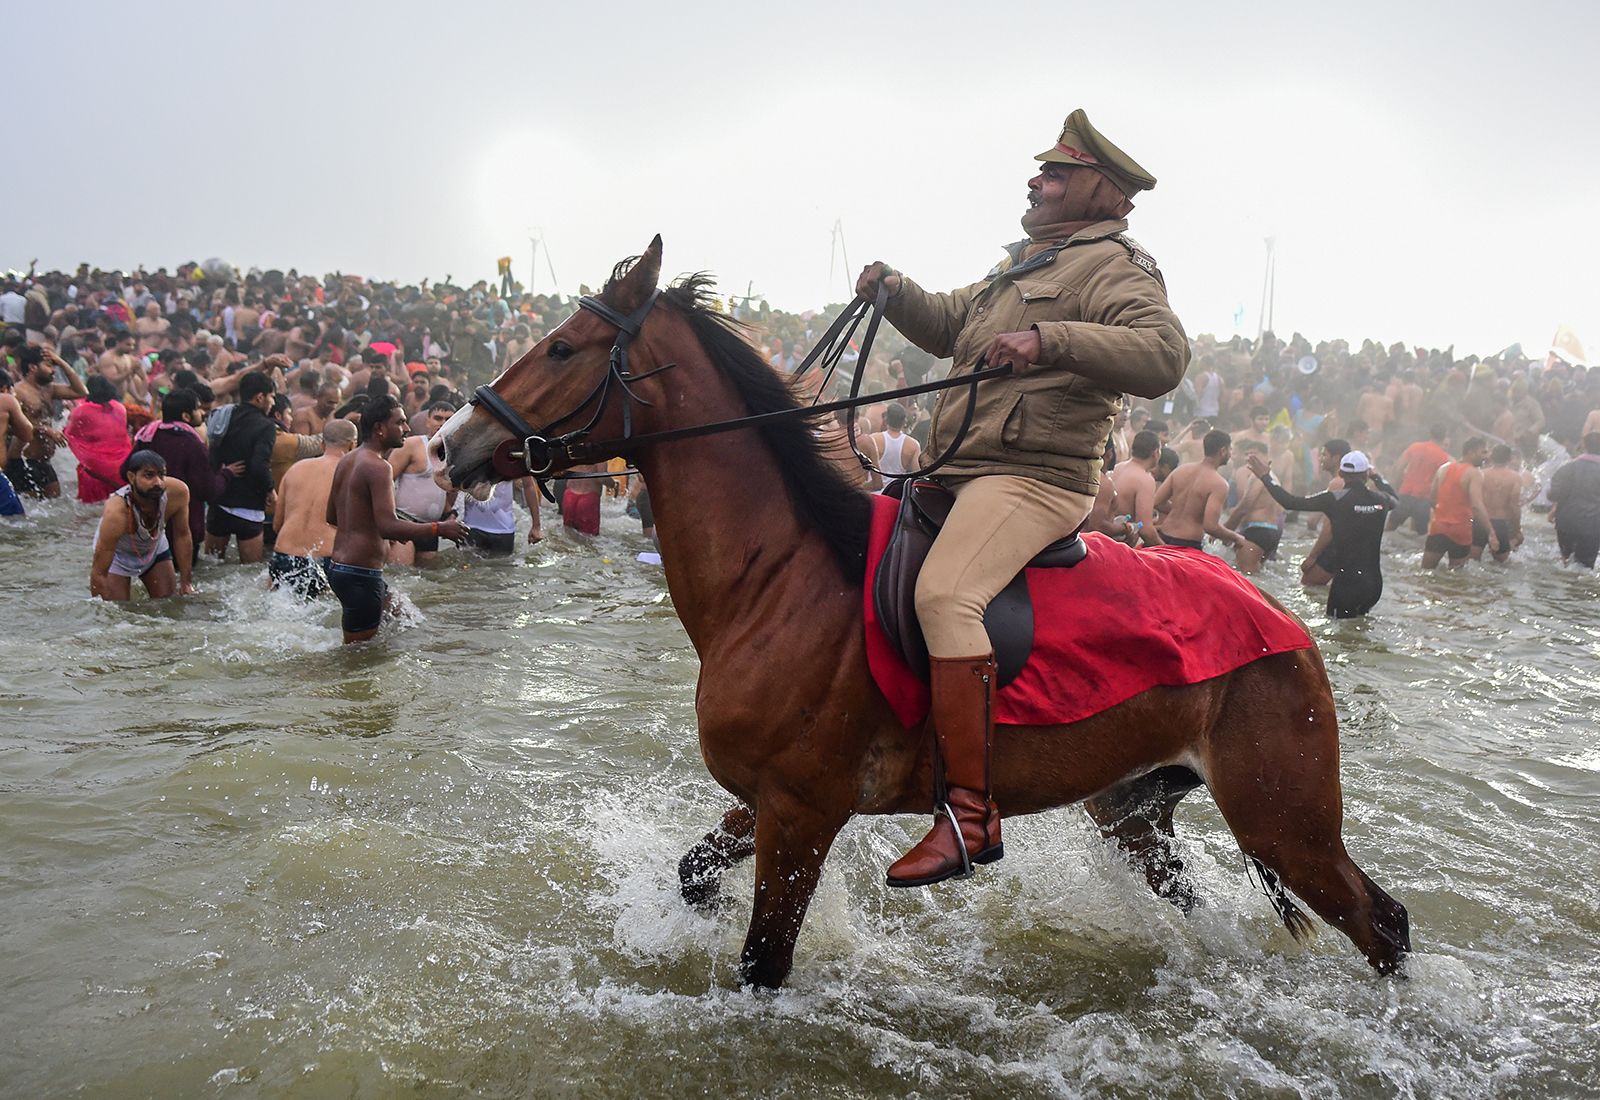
{"x": 1257, "y": 516}
{"x": 310, "y": 419}
{"x": 1198, "y": 491}
{"x": 28, "y": 463}
{"x": 124, "y": 369}
{"x": 14, "y": 424}
{"x": 361, "y": 509}
{"x": 1315, "y": 570}
{"x": 301, "y": 516}
{"x": 1188, "y": 443}
{"x": 580, "y": 505}
{"x": 1377, "y": 409}
{"x": 1459, "y": 516}
{"x": 1260, "y": 419}
{"x": 1135, "y": 483}
{"x": 132, "y": 538}
{"x": 1502, "y": 499}
{"x": 151, "y": 328}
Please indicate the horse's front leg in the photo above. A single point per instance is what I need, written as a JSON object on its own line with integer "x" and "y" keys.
{"x": 700, "y": 870}
{"x": 792, "y": 840}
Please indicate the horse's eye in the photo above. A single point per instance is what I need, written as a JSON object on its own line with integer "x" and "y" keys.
{"x": 559, "y": 350}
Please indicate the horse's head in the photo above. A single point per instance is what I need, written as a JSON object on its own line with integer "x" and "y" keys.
{"x": 559, "y": 386}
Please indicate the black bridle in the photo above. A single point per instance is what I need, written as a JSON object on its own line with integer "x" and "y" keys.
{"x": 540, "y": 452}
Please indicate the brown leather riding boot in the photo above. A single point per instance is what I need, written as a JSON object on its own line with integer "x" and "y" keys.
{"x": 963, "y": 719}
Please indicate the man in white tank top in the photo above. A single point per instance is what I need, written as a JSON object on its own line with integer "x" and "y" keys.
{"x": 898, "y": 452}
{"x": 415, "y": 491}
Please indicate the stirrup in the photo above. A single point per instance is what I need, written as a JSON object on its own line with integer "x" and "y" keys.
{"x": 961, "y": 844}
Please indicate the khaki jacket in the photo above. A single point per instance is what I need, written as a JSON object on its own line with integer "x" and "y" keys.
{"x": 1105, "y": 329}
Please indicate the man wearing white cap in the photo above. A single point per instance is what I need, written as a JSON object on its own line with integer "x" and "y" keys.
{"x": 1356, "y": 516}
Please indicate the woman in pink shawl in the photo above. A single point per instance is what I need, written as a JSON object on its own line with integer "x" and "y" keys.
{"x": 97, "y": 432}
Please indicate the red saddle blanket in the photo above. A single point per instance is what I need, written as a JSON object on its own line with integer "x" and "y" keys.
{"x": 1120, "y": 622}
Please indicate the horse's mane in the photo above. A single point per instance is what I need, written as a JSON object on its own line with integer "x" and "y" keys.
{"x": 823, "y": 499}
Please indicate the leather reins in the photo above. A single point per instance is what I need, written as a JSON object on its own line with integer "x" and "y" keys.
{"x": 540, "y": 452}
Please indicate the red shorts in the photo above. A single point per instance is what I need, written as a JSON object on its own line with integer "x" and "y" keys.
{"x": 581, "y": 512}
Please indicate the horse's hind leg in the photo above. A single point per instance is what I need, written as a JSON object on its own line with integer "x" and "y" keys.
{"x": 1273, "y": 768}
{"x": 1138, "y": 816}
{"x": 700, "y": 870}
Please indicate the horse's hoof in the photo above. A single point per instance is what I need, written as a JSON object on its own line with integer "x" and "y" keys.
{"x": 699, "y": 880}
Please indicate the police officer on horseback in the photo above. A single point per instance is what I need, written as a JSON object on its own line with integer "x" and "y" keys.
{"x": 1081, "y": 313}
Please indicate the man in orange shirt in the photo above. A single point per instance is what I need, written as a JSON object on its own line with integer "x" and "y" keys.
{"x": 1460, "y": 518}
{"x": 1414, "y": 474}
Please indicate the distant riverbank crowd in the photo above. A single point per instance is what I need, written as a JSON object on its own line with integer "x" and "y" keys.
{"x": 106, "y": 364}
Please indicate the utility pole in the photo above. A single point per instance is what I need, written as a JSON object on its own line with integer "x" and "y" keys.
{"x": 1269, "y": 288}
{"x": 837, "y": 248}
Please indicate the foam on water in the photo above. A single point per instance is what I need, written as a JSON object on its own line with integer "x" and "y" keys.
{"x": 242, "y": 858}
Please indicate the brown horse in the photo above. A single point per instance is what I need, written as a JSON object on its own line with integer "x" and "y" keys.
{"x": 763, "y": 543}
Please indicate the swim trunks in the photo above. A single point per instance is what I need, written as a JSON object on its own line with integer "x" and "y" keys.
{"x": 1444, "y": 544}
{"x": 1192, "y": 544}
{"x": 221, "y": 524}
{"x": 1415, "y": 509}
{"x": 1265, "y": 535}
{"x": 31, "y": 475}
{"x": 1480, "y": 533}
{"x": 302, "y": 576}
{"x": 647, "y": 514}
{"x": 492, "y": 543}
{"x": 10, "y": 503}
{"x": 581, "y": 512}
{"x": 1502, "y": 530}
{"x": 361, "y": 593}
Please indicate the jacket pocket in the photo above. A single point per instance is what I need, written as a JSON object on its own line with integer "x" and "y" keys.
{"x": 1037, "y": 290}
{"x": 1013, "y": 430}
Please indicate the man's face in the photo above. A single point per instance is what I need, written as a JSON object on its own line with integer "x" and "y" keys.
{"x": 1476, "y": 456}
{"x": 1225, "y": 456}
{"x": 327, "y": 400}
{"x": 263, "y": 401}
{"x": 393, "y": 431}
{"x": 147, "y": 482}
{"x": 1260, "y": 423}
{"x": 124, "y": 345}
{"x": 1047, "y": 195}
{"x": 437, "y": 419}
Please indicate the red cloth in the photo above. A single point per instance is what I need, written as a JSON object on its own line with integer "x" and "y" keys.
{"x": 98, "y": 436}
{"x": 1119, "y": 623}
{"x": 581, "y": 512}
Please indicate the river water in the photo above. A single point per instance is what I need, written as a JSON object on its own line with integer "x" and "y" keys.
{"x": 238, "y": 859}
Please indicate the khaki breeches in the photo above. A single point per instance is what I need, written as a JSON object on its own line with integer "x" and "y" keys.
{"x": 997, "y": 524}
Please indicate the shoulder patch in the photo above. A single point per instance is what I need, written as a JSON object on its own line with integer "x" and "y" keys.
{"x": 1141, "y": 259}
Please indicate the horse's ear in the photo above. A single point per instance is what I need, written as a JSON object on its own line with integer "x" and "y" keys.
{"x": 641, "y": 279}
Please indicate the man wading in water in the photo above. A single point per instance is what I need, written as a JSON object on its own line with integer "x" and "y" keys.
{"x": 361, "y": 509}
{"x": 132, "y": 540}
{"x": 1080, "y": 312}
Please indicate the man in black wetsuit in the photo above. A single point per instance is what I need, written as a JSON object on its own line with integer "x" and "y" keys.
{"x": 1356, "y": 515}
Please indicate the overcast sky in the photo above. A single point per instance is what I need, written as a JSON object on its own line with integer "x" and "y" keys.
{"x": 1427, "y": 169}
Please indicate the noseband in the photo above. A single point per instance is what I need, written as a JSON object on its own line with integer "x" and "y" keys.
{"x": 539, "y": 450}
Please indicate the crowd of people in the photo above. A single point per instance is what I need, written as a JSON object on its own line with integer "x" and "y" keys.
{"x": 287, "y": 415}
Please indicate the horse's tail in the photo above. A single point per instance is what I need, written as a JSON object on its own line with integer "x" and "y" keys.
{"x": 1294, "y": 918}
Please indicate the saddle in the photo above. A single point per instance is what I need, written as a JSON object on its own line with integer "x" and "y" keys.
{"x": 924, "y": 507}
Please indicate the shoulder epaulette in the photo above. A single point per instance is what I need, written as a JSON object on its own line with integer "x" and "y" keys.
{"x": 1141, "y": 259}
